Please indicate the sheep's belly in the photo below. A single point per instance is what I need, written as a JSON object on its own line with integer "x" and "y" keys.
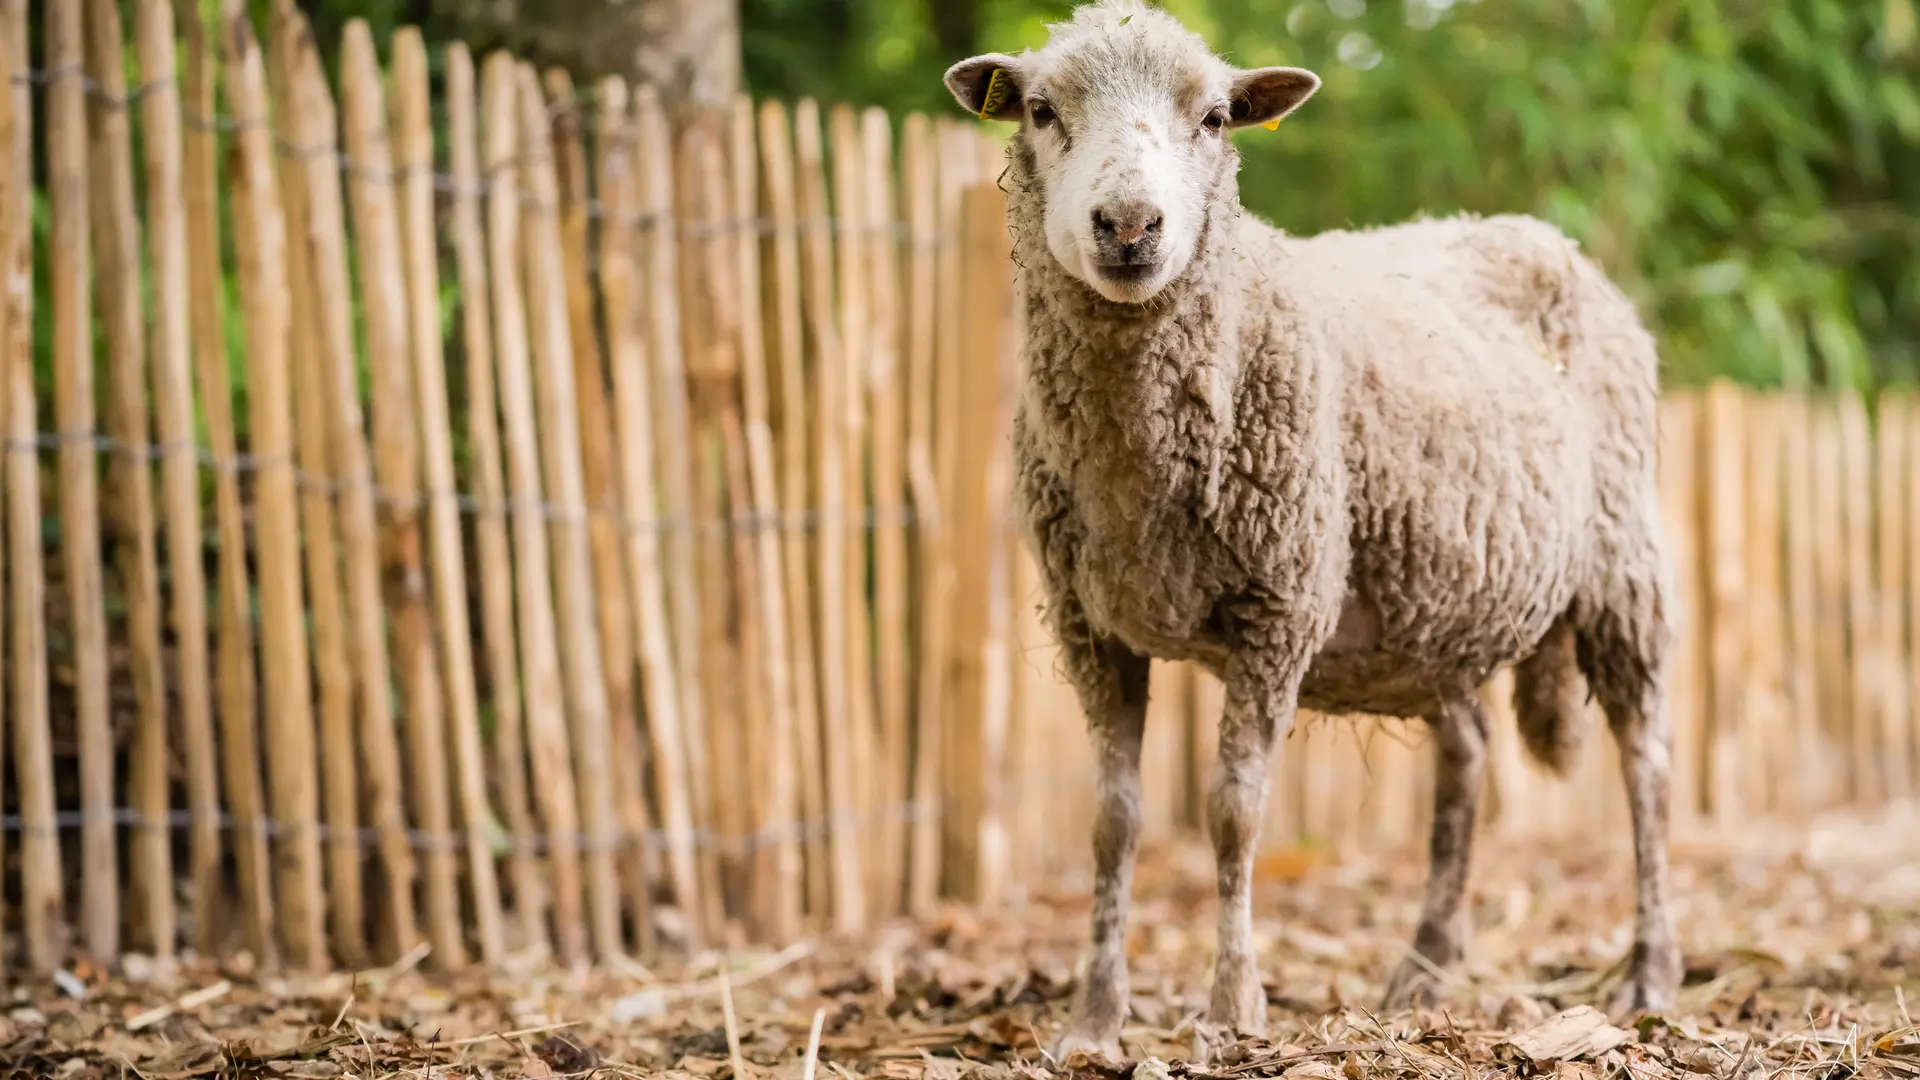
{"x": 1411, "y": 678}
{"x": 1374, "y": 684}
{"x": 1412, "y": 632}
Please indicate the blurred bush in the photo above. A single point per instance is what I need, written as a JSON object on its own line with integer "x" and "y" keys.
{"x": 1749, "y": 169}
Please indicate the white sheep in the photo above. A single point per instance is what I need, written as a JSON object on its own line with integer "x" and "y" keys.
{"x": 1356, "y": 472}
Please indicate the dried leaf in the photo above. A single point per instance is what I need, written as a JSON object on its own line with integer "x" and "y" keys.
{"x": 1579, "y": 1032}
{"x": 567, "y": 1055}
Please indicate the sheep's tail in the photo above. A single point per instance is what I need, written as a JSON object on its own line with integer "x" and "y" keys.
{"x": 1550, "y": 697}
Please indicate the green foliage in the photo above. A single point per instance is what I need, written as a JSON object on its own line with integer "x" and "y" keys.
{"x": 1750, "y": 171}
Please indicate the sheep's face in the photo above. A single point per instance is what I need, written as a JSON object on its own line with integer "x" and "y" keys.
{"x": 1123, "y": 120}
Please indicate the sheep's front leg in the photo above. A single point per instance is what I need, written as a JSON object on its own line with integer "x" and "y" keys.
{"x": 1112, "y": 684}
{"x": 1260, "y": 708}
{"x": 1460, "y": 735}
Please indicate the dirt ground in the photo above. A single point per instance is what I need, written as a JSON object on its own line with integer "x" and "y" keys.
{"x": 1798, "y": 941}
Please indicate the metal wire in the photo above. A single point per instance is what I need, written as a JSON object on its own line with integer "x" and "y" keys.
{"x": 444, "y": 183}
{"x": 504, "y": 845}
{"x": 612, "y": 839}
{"x": 810, "y": 519}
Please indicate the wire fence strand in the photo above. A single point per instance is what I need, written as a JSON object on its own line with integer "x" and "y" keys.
{"x": 448, "y": 186}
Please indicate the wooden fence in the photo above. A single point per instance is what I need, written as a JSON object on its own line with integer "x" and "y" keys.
{"x": 571, "y": 533}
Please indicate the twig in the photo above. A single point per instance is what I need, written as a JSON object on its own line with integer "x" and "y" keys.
{"x": 185, "y": 1003}
{"x": 786, "y": 957}
{"x": 341, "y": 1017}
{"x": 510, "y": 1035}
{"x": 884, "y": 961}
{"x": 813, "y": 1045}
{"x": 733, "y": 1027}
{"x": 1330, "y": 1050}
{"x": 407, "y": 962}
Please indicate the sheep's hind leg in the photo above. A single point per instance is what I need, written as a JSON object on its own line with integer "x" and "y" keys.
{"x": 1113, "y": 688}
{"x": 1639, "y": 721}
{"x": 1257, "y": 712}
{"x": 1460, "y": 734}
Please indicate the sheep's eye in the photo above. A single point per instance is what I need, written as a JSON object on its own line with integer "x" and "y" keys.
{"x": 1042, "y": 114}
{"x": 1215, "y": 120}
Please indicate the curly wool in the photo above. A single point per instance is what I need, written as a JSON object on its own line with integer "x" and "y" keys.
{"x": 1393, "y": 458}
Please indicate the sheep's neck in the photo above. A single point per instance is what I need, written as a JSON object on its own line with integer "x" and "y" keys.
{"x": 1144, "y": 393}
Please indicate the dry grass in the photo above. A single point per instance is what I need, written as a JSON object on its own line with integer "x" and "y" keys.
{"x": 1798, "y": 942}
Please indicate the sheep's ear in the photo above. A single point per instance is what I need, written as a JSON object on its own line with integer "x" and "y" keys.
{"x": 987, "y": 86}
{"x": 1264, "y": 95}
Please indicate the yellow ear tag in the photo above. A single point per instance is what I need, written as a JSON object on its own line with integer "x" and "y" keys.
{"x": 998, "y": 86}
{"x": 1271, "y": 125}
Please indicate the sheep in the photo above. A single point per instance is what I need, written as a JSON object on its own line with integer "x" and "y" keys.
{"x": 1358, "y": 472}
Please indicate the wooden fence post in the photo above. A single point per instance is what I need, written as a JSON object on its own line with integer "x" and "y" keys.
{"x": 548, "y": 743}
{"x": 42, "y": 899}
{"x": 414, "y": 150}
{"x": 70, "y": 289}
{"x": 1861, "y": 625}
{"x": 1810, "y": 782}
{"x": 1893, "y": 482}
{"x": 604, "y": 547}
{"x": 777, "y": 878}
{"x": 920, "y": 195}
{"x": 708, "y": 343}
{"x": 672, "y": 437}
{"x": 632, "y": 394}
{"x": 580, "y": 658}
{"x": 1723, "y": 623}
{"x": 793, "y": 405}
{"x": 847, "y": 412}
{"x": 831, "y": 501}
{"x": 489, "y": 491}
{"x": 116, "y": 251}
{"x": 239, "y": 742}
{"x": 396, "y": 470}
{"x": 1765, "y": 761}
{"x": 1826, "y": 473}
{"x": 974, "y": 867}
{"x": 261, "y": 240}
{"x": 885, "y": 390}
{"x": 339, "y": 774}
{"x": 334, "y": 357}
{"x": 1679, "y": 517}
{"x": 179, "y": 463}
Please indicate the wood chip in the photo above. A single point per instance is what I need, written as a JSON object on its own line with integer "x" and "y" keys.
{"x": 1579, "y": 1032}
{"x": 186, "y": 1003}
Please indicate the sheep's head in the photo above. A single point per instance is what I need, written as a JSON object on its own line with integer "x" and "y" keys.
{"x": 1123, "y": 119}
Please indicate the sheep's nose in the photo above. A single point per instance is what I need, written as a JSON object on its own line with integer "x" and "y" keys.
{"x": 1127, "y": 223}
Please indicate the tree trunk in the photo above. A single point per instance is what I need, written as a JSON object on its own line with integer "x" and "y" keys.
{"x": 688, "y": 49}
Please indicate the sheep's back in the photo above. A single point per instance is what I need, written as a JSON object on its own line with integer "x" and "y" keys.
{"x": 1479, "y": 430}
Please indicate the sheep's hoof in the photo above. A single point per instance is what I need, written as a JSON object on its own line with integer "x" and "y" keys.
{"x": 1239, "y": 1003}
{"x": 1093, "y": 1044}
{"x": 1413, "y": 985}
{"x": 1653, "y": 980}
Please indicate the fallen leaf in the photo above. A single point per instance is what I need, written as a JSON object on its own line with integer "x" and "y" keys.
{"x": 567, "y": 1055}
{"x": 1286, "y": 864}
{"x": 1579, "y": 1032}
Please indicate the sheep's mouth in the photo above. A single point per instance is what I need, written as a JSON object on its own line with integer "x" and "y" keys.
{"x": 1131, "y": 273}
